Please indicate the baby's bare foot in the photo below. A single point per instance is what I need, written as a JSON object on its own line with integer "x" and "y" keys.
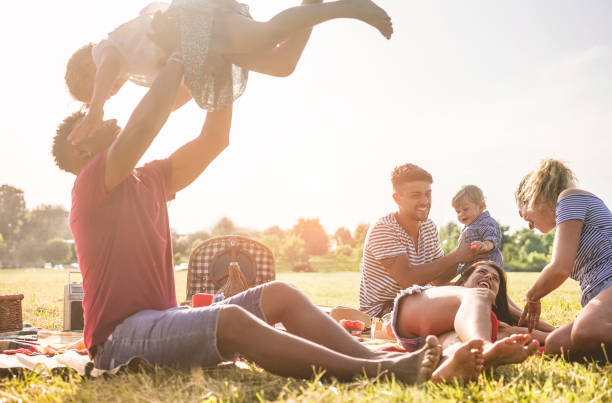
{"x": 370, "y": 13}
{"x": 418, "y": 366}
{"x": 466, "y": 363}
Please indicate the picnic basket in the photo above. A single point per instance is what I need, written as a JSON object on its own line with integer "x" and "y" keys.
{"x": 10, "y": 313}
{"x": 215, "y": 260}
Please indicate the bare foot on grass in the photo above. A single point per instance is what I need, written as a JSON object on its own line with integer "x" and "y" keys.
{"x": 510, "y": 350}
{"x": 466, "y": 363}
{"x": 418, "y": 366}
{"x": 370, "y": 13}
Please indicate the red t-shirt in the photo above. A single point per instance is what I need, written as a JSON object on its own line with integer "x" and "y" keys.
{"x": 123, "y": 244}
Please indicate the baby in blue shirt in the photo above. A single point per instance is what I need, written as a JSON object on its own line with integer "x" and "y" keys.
{"x": 481, "y": 230}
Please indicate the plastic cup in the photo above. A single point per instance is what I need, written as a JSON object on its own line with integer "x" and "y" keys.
{"x": 201, "y": 299}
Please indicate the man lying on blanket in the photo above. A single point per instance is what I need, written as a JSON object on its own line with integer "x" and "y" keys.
{"x": 120, "y": 224}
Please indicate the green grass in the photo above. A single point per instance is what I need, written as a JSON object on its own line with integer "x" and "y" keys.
{"x": 536, "y": 379}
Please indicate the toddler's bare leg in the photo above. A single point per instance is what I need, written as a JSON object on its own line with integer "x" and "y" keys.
{"x": 182, "y": 97}
{"x": 279, "y": 61}
{"x": 248, "y": 36}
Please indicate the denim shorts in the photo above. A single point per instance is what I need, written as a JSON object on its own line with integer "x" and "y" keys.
{"x": 181, "y": 336}
{"x": 606, "y": 283}
{"x": 409, "y": 343}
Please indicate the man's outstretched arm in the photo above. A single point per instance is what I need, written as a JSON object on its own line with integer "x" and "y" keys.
{"x": 438, "y": 272}
{"x": 144, "y": 124}
{"x": 189, "y": 161}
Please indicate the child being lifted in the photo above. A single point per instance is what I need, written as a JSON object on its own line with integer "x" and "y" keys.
{"x": 219, "y": 43}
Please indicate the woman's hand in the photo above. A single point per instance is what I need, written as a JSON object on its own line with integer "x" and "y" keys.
{"x": 531, "y": 314}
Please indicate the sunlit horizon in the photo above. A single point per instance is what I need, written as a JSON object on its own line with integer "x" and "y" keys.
{"x": 474, "y": 92}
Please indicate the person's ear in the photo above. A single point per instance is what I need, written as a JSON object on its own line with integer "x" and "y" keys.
{"x": 396, "y": 197}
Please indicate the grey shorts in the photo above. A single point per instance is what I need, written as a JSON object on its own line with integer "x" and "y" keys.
{"x": 181, "y": 336}
{"x": 414, "y": 343}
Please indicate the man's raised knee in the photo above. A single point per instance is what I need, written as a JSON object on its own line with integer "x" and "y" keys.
{"x": 281, "y": 290}
{"x": 233, "y": 320}
{"x": 586, "y": 337}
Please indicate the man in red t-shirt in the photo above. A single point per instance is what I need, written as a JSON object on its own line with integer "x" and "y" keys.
{"x": 122, "y": 237}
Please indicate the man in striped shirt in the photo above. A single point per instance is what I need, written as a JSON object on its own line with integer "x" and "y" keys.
{"x": 403, "y": 248}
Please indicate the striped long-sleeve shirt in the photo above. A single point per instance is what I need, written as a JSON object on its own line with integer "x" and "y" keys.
{"x": 593, "y": 262}
{"x": 386, "y": 239}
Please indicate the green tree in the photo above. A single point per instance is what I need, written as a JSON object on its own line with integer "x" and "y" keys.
{"x": 43, "y": 223}
{"x": 313, "y": 234}
{"x": 343, "y": 237}
{"x": 12, "y": 219}
{"x": 359, "y": 235}
{"x": 293, "y": 249}
{"x": 57, "y": 251}
{"x": 449, "y": 236}
{"x": 344, "y": 251}
{"x": 224, "y": 226}
{"x": 273, "y": 242}
{"x": 47, "y": 221}
{"x": 275, "y": 230}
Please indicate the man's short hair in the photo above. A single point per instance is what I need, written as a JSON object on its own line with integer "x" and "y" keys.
{"x": 471, "y": 193}
{"x": 61, "y": 145}
{"x": 409, "y": 173}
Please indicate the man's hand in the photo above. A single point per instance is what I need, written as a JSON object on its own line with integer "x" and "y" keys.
{"x": 165, "y": 33}
{"x": 466, "y": 253}
{"x": 90, "y": 123}
{"x": 531, "y": 314}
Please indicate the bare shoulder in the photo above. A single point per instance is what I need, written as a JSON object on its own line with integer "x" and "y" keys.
{"x": 573, "y": 191}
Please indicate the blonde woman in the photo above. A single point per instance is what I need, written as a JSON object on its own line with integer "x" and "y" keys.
{"x": 547, "y": 198}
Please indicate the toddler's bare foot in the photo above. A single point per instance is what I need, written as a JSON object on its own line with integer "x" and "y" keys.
{"x": 465, "y": 363}
{"x": 418, "y": 366}
{"x": 370, "y": 13}
{"x": 510, "y": 350}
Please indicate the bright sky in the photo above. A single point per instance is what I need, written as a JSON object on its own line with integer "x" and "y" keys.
{"x": 473, "y": 91}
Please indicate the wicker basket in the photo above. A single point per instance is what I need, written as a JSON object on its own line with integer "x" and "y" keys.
{"x": 10, "y": 313}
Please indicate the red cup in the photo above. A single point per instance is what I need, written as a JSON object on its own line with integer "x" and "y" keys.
{"x": 201, "y": 299}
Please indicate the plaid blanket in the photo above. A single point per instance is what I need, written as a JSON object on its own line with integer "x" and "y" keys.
{"x": 23, "y": 341}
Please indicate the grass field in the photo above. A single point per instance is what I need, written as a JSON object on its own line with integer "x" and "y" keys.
{"x": 537, "y": 379}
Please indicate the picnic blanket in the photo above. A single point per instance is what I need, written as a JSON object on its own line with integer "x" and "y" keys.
{"x": 44, "y": 351}
{"x": 58, "y": 353}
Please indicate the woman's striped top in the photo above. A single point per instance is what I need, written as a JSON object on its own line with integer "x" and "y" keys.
{"x": 386, "y": 239}
{"x": 593, "y": 262}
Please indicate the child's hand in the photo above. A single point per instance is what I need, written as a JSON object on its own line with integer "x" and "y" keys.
{"x": 88, "y": 125}
{"x": 478, "y": 246}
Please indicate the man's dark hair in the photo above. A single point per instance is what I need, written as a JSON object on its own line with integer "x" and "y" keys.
{"x": 409, "y": 173}
{"x": 60, "y": 148}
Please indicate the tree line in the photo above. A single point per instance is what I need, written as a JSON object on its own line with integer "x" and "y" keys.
{"x": 31, "y": 238}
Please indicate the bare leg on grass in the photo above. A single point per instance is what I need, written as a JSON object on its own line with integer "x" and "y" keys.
{"x": 283, "y": 303}
{"x": 289, "y": 355}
